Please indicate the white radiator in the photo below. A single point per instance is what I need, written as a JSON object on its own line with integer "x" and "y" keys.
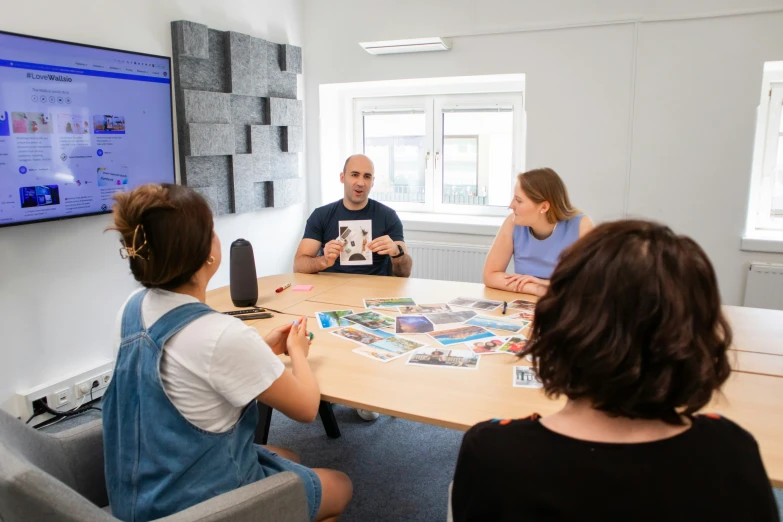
{"x": 447, "y": 261}
{"x": 764, "y": 288}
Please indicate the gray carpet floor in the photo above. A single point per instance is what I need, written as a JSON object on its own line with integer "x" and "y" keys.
{"x": 400, "y": 469}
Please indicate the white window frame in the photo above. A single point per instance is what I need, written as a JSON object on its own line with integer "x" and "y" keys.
{"x": 765, "y": 219}
{"x": 479, "y": 101}
{"x": 433, "y": 107}
{"x": 397, "y": 104}
{"x": 763, "y": 231}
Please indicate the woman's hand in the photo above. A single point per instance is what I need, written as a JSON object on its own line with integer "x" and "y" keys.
{"x": 277, "y": 339}
{"x": 517, "y": 282}
{"x": 298, "y": 338}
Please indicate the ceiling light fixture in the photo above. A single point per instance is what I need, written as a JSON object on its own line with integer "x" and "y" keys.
{"x": 412, "y": 45}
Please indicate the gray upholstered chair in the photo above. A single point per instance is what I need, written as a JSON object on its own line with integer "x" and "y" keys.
{"x": 60, "y": 478}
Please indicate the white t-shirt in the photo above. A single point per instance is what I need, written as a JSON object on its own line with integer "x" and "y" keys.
{"x": 212, "y": 368}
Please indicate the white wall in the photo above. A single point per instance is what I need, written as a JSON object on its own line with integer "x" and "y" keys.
{"x": 644, "y": 108}
{"x": 62, "y": 283}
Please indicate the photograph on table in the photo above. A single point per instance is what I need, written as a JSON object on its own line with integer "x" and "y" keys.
{"x": 383, "y": 334}
{"x": 463, "y": 334}
{"x": 478, "y": 304}
{"x": 513, "y": 344}
{"x": 333, "y": 318}
{"x": 487, "y": 346}
{"x": 450, "y": 317}
{"x": 525, "y": 377}
{"x": 355, "y": 236}
{"x": 372, "y": 320}
{"x": 377, "y": 354}
{"x": 495, "y": 323}
{"x": 357, "y": 335}
{"x": 525, "y": 309}
{"x": 398, "y": 344}
{"x": 388, "y": 302}
{"x": 425, "y": 309}
{"x": 444, "y": 358}
{"x": 412, "y": 324}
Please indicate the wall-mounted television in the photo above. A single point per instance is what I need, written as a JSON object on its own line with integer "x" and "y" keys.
{"x": 77, "y": 124}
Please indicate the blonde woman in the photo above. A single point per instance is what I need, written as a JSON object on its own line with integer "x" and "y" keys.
{"x": 543, "y": 224}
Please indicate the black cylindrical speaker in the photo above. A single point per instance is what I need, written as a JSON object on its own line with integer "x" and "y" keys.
{"x": 244, "y": 284}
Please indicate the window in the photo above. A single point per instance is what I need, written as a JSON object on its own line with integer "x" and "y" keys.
{"x": 765, "y": 209}
{"x": 454, "y": 154}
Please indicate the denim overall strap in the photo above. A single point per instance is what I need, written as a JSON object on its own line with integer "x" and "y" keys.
{"x": 132, "y": 322}
{"x": 175, "y": 320}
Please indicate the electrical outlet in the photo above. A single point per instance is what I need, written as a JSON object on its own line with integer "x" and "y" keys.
{"x": 106, "y": 377}
{"x": 84, "y": 387}
{"x": 60, "y": 398}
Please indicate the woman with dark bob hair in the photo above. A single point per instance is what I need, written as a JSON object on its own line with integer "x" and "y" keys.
{"x": 631, "y": 332}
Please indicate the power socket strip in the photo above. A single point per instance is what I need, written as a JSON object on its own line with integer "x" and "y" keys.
{"x": 64, "y": 393}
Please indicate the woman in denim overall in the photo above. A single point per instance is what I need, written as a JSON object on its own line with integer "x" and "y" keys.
{"x": 157, "y": 461}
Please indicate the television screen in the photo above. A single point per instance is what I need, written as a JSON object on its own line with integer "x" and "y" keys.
{"x": 77, "y": 124}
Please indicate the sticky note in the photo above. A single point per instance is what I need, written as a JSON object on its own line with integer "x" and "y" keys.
{"x": 302, "y": 288}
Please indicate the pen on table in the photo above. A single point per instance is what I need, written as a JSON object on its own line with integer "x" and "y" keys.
{"x": 505, "y": 304}
{"x": 283, "y": 287}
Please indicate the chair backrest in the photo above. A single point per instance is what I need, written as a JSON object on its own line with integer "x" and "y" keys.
{"x": 39, "y": 449}
{"x": 36, "y": 482}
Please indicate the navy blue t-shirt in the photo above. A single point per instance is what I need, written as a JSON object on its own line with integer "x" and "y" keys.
{"x": 322, "y": 225}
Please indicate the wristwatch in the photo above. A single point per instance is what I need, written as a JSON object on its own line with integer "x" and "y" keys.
{"x": 400, "y": 252}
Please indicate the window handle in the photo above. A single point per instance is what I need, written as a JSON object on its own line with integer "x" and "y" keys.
{"x": 437, "y": 157}
{"x": 426, "y": 160}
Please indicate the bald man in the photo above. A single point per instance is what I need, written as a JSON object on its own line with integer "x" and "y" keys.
{"x": 320, "y": 248}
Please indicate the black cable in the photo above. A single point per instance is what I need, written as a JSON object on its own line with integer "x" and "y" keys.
{"x": 34, "y": 415}
{"x": 69, "y": 413}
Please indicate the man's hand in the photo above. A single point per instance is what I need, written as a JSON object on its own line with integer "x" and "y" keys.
{"x": 332, "y": 251}
{"x": 384, "y": 246}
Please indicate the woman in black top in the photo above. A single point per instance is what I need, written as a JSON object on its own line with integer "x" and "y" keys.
{"x": 631, "y": 332}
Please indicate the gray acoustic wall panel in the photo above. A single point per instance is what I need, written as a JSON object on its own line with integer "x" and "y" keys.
{"x": 292, "y": 139}
{"x": 213, "y": 172}
{"x": 192, "y": 40}
{"x": 282, "y": 84}
{"x": 247, "y": 64}
{"x": 282, "y": 165}
{"x": 211, "y": 195}
{"x": 239, "y": 120}
{"x": 290, "y": 58}
{"x": 242, "y": 139}
{"x": 205, "y": 74}
{"x": 211, "y": 139}
{"x": 207, "y": 107}
{"x": 249, "y": 110}
{"x": 283, "y": 111}
{"x": 243, "y": 180}
{"x": 261, "y": 146}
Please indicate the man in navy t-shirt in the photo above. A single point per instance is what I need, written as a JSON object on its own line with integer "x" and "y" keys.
{"x": 321, "y": 245}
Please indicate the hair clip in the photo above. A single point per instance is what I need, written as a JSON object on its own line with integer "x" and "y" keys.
{"x": 132, "y": 251}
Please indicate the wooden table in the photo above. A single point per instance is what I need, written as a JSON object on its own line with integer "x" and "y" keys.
{"x": 458, "y": 399}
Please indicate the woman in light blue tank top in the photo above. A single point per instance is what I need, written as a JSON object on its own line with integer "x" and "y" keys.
{"x": 543, "y": 224}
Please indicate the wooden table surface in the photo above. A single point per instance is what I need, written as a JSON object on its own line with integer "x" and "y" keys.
{"x": 458, "y": 399}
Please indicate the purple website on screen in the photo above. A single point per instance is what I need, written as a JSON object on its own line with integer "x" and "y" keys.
{"x": 78, "y": 124}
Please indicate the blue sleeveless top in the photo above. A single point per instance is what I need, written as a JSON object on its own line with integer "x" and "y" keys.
{"x": 538, "y": 257}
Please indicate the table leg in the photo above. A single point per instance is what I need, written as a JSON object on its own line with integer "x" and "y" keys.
{"x": 330, "y": 422}
{"x": 264, "y": 422}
